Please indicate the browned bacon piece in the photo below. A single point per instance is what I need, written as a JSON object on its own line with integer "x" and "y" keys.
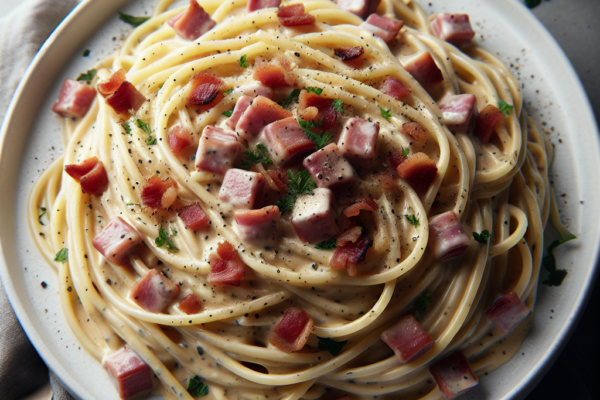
{"x": 350, "y": 254}
{"x": 365, "y": 204}
{"x": 130, "y": 372}
{"x": 292, "y": 331}
{"x": 454, "y": 375}
{"x": 507, "y": 311}
{"x": 274, "y": 73}
{"x": 126, "y": 98}
{"x": 396, "y": 159}
{"x": 110, "y": 86}
{"x": 394, "y": 87}
{"x": 116, "y": 241}
{"x": 206, "y": 91}
{"x": 154, "y": 292}
{"x": 415, "y": 132}
{"x": 280, "y": 179}
{"x": 157, "y": 193}
{"x": 384, "y": 28}
{"x": 408, "y": 339}
{"x": 326, "y": 114}
{"x": 179, "y": 140}
{"x": 349, "y": 53}
{"x": 453, "y": 28}
{"x": 90, "y": 174}
{"x": 193, "y": 22}
{"x": 194, "y": 217}
{"x": 294, "y": 15}
{"x": 419, "y": 170}
{"x": 350, "y": 236}
{"x": 226, "y": 267}
{"x": 75, "y": 99}
{"x": 424, "y": 69}
{"x": 254, "y": 5}
{"x": 489, "y": 119}
{"x": 190, "y": 304}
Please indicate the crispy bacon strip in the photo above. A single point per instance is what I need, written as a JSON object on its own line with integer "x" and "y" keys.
{"x": 349, "y": 53}
{"x": 365, "y": 203}
{"x": 90, "y": 174}
{"x": 351, "y": 254}
{"x": 294, "y": 15}
{"x": 274, "y": 73}
{"x": 292, "y": 331}
{"x": 179, "y": 140}
{"x": 157, "y": 193}
{"x": 489, "y": 119}
{"x": 419, "y": 170}
{"x": 326, "y": 114}
{"x": 349, "y": 236}
{"x": 190, "y": 304}
{"x": 415, "y": 131}
{"x": 396, "y": 159}
{"x": 126, "y": 98}
{"x": 110, "y": 86}
{"x": 206, "y": 91}
{"x": 226, "y": 267}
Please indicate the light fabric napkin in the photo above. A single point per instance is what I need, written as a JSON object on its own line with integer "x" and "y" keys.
{"x": 22, "y": 32}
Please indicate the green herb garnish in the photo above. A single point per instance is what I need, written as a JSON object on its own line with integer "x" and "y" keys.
{"x": 243, "y": 62}
{"x": 292, "y": 97}
{"x": 482, "y": 237}
{"x": 326, "y": 245}
{"x": 386, "y": 114}
{"x": 43, "y": 212}
{"x": 555, "y": 276}
{"x": 131, "y": 20}
{"x": 332, "y": 346}
{"x": 87, "y": 77}
{"x": 505, "y": 108}
{"x": 62, "y": 256}
{"x": 127, "y": 128}
{"x": 86, "y": 52}
{"x": 319, "y": 140}
{"x": 196, "y": 387}
{"x": 413, "y": 219}
{"x": 405, "y": 152}
{"x": 532, "y": 3}
{"x": 228, "y": 91}
{"x": 299, "y": 183}
{"x": 143, "y": 126}
{"x": 317, "y": 91}
{"x": 151, "y": 140}
{"x": 227, "y": 113}
{"x": 420, "y": 303}
{"x": 163, "y": 238}
{"x": 259, "y": 155}
{"x": 338, "y": 105}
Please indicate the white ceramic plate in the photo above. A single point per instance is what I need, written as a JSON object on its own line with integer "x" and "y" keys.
{"x": 553, "y": 95}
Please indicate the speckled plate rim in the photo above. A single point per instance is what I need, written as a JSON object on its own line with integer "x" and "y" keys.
{"x": 87, "y": 17}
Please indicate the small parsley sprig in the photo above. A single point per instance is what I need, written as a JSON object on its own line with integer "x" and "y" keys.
{"x": 42, "y": 213}
{"x": 259, "y": 155}
{"x": 131, "y": 20}
{"x": 146, "y": 128}
{"x": 88, "y": 77}
{"x": 292, "y": 97}
{"x": 332, "y": 346}
{"x": 164, "y": 238}
{"x": 62, "y": 256}
{"x": 482, "y": 237}
{"x": 386, "y": 113}
{"x": 326, "y": 245}
{"x": 228, "y": 113}
{"x": 299, "y": 183}
{"x": 420, "y": 303}
{"x": 317, "y": 91}
{"x": 555, "y": 276}
{"x": 532, "y": 3}
{"x": 413, "y": 219}
{"x": 319, "y": 140}
{"x": 228, "y": 91}
{"x": 338, "y": 105}
{"x": 505, "y": 108}
{"x": 243, "y": 61}
{"x": 127, "y": 128}
{"x": 196, "y": 387}
{"x": 405, "y": 152}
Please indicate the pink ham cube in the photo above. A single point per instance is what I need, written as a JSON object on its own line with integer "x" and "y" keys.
{"x": 384, "y": 28}
{"x": 453, "y": 28}
{"x": 259, "y": 227}
{"x": 328, "y": 167}
{"x": 218, "y": 150}
{"x": 242, "y": 189}
{"x": 286, "y": 141}
{"x": 194, "y": 217}
{"x": 254, "y": 5}
{"x": 312, "y": 216}
{"x": 394, "y": 87}
{"x": 154, "y": 292}
{"x": 358, "y": 141}
{"x": 408, "y": 339}
{"x": 262, "y": 112}
{"x": 447, "y": 238}
{"x": 424, "y": 69}
{"x": 242, "y": 105}
{"x": 75, "y": 99}
{"x": 193, "y": 22}
{"x": 507, "y": 311}
{"x": 257, "y": 89}
{"x": 361, "y": 8}
{"x": 116, "y": 241}
{"x": 130, "y": 373}
{"x": 459, "y": 112}
{"x": 454, "y": 375}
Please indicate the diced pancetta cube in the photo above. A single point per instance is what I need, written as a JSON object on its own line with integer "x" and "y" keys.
{"x": 419, "y": 170}
{"x": 259, "y": 227}
{"x": 242, "y": 105}
{"x": 193, "y": 22}
{"x": 90, "y": 174}
{"x": 126, "y": 98}
{"x": 507, "y": 311}
{"x": 112, "y": 84}
{"x": 454, "y": 375}
{"x": 384, "y": 28}
{"x": 242, "y": 189}
{"x": 312, "y": 216}
{"x": 365, "y": 204}
{"x": 408, "y": 339}
{"x": 179, "y": 140}
{"x": 362, "y": 8}
{"x": 218, "y": 150}
{"x": 447, "y": 237}
{"x": 254, "y": 5}
{"x": 286, "y": 141}
{"x": 294, "y": 15}
{"x": 424, "y": 69}
{"x": 190, "y": 304}
{"x": 261, "y": 113}
{"x": 257, "y": 89}
{"x": 350, "y": 254}
{"x": 349, "y": 236}
{"x": 459, "y": 112}
{"x": 396, "y": 159}
{"x": 129, "y": 371}
{"x": 292, "y": 331}
{"x": 349, "y": 53}
{"x": 415, "y": 132}
{"x": 488, "y": 120}
{"x": 226, "y": 267}
{"x": 394, "y": 87}
{"x": 75, "y": 99}
{"x": 206, "y": 90}
{"x": 276, "y": 178}
{"x": 358, "y": 141}
{"x": 453, "y": 28}
{"x": 274, "y": 74}
{"x": 328, "y": 167}
{"x": 194, "y": 217}
{"x": 154, "y": 292}
{"x": 327, "y": 114}
{"x": 116, "y": 241}
{"x": 157, "y": 193}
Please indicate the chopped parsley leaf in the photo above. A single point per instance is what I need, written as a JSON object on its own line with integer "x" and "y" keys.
{"x": 292, "y": 97}
{"x": 131, "y": 20}
{"x": 420, "y": 303}
{"x": 173, "y": 232}
{"x": 317, "y": 91}
{"x": 87, "y": 77}
{"x": 386, "y": 114}
{"x": 163, "y": 238}
{"x": 127, "y": 128}
{"x": 555, "y": 276}
{"x": 326, "y": 245}
{"x": 243, "y": 62}
{"x": 332, "y": 346}
{"x": 259, "y": 155}
{"x": 143, "y": 126}
{"x": 227, "y": 113}
{"x": 319, "y": 140}
{"x": 532, "y": 3}
{"x": 405, "y": 152}
{"x": 413, "y": 219}
{"x": 43, "y": 212}
{"x": 86, "y": 52}
{"x": 228, "y": 91}
{"x": 299, "y": 183}
{"x": 62, "y": 256}
{"x": 196, "y": 387}
{"x": 482, "y": 237}
{"x": 151, "y": 140}
{"x": 338, "y": 105}
{"x": 505, "y": 108}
